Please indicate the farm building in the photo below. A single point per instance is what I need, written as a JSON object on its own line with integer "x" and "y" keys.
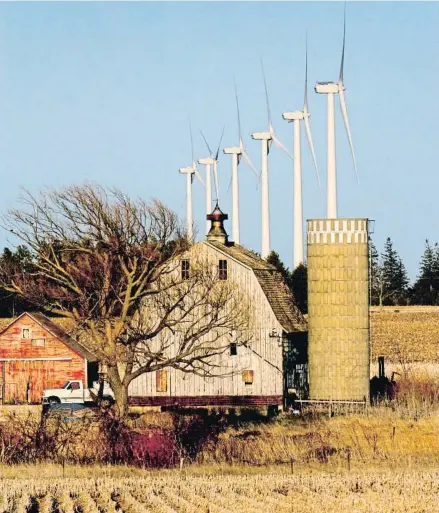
{"x": 36, "y": 354}
{"x": 257, "y": 373}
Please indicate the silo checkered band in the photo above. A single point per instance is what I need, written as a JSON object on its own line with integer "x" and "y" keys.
{"x": 338, "y": 309}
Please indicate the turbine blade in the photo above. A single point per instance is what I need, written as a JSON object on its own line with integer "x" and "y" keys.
{"x": 237, "y": 110}
{"x": 230, "y": 184}
{"x": 197, "y": 174}
{"x": 281, "y": 146}
{"x": 343, "y": 47}
{"x": 266, "y": 94}
{"x": 310, "y": 143}
{"x": 219, "y": 144}
{"x": 344, "y": 112}
{"x": 207, "y": 144}
{"x": 248, "y": 162}
{"x": 305, "y": 100}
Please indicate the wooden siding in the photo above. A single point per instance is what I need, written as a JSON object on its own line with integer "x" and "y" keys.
{"x": 27, "y": 369}
{"x": 263, "y": 355}
{"x": 208, "y": 400}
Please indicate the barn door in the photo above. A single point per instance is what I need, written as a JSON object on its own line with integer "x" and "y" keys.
{"x": 296, "y": 364}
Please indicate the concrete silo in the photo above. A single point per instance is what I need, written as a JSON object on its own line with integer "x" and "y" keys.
{"x": 338, "y": 309}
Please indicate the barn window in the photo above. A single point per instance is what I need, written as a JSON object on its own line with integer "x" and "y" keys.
{"x": 185, "y": 269}
{"x": 25, "y": 333}
{"x": 233, "y": 349}
{"x": 161, "y": 381}
{"x": 222, "y": 270}
{"x": 247, "y": 377}
{"x": 38, "y": 342}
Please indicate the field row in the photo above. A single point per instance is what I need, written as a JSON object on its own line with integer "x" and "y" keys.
{"x": 175, "y": 493}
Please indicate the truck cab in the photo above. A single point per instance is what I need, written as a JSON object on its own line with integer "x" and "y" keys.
{"x": 73, "y": 391}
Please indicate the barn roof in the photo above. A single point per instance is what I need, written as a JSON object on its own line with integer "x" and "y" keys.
{"x": 272, "y": 284}
{"x": 54, "y": 329}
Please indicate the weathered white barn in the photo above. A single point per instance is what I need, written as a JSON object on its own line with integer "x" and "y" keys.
{"x": 261, "y": 370}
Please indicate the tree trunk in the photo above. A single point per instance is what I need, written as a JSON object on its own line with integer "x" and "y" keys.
{"x": 121, "y": 398}
{"x": 120, "y": 392}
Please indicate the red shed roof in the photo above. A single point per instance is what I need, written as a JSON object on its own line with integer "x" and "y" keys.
{"x": 56, "y": 331}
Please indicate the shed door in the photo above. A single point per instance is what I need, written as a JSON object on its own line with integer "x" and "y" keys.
{"x": 24, "y": 380}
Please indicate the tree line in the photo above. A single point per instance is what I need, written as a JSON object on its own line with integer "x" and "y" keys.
{"x": 389, "y": 281}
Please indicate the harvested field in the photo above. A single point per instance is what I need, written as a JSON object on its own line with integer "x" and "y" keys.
{"x": 175, "y": 492}
{"x": 405, "y": 334}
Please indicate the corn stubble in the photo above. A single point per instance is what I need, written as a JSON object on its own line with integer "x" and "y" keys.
{"x": 382, "y": 492}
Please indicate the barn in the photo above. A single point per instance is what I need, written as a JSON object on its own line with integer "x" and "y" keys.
{"x": 35, "y": 353}
{"x": 263, "y": 370}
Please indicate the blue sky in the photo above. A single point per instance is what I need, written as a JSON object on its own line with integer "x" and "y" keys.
{"x": 102, "y": 92}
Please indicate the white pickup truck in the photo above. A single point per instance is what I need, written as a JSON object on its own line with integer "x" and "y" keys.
{"x": 74, "y": 392}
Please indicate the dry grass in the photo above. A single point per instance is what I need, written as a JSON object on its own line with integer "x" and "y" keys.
{"x": 383, "y": 436}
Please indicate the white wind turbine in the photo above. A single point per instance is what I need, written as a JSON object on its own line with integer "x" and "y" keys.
{"x": 190, "y": 172}
{"x": 266, "y": 138}
{"x": 331, "y": 88}
{"x": 210, "y": 162}
{"x": 296, "y": 117}
{"x": 237, "y": 152}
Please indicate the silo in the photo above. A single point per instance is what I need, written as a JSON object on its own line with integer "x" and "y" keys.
{"x": 338, "y": 309}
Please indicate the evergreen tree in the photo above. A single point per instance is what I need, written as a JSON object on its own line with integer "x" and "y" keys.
{"x": 425, "y": 291}
{"x": 11, "y": 304}
{"x": 299, "y": 286}
{"x": 374, "y": 271}
{"x": 393, "y": 282}
{"x": 274, "y": 259}
{"x": 296, "y": 280}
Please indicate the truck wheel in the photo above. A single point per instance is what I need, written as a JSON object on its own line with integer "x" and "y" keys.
{"x": 54, "y": 400}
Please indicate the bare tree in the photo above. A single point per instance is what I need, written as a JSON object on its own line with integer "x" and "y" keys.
{"x": 111, "y": 265}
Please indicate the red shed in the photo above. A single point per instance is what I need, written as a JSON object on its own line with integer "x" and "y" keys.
{"x": 35, "y": 353}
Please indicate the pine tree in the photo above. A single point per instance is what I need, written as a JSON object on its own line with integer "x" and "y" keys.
{"x": 425, "y": 291}
{"x": 296, "y": 280}
{"x": 274, "y": 259}
{"x": 299, "y": 285}
{"x": 21, "y": 259}
{"x": 393, "y": 282}
{"x": 374, "y": 271}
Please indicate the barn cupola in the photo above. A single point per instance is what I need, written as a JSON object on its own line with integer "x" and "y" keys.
{"x": 217, "y": 232}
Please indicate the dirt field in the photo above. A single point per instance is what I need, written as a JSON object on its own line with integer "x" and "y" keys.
{"x": 413, "y": 491}
{"x": 405, "y": 334}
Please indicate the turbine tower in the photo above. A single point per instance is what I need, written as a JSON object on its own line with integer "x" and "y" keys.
{"x": 237, "y": 153}
{"x": 190, "y": 172}
{"x": 296, "y": 117}
{"x": 330, "y": 89}
{"x": 266, "y": 138}
{"x": 209, "y": 162}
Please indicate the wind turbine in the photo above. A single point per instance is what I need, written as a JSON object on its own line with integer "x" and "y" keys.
{"x": 237, "y": 153}
{"x": 331, "y": 88}
{"x": 266, "y": 138}
{"x": 190, "y": 172}
{"x": 296, "y": 117}
{"x": 208, "y": 162}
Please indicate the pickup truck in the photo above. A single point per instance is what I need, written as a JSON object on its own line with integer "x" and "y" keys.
{"x": 73, "y": 391}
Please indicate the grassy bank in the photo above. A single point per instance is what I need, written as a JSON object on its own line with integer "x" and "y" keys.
{"x": 381, "y": 437}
